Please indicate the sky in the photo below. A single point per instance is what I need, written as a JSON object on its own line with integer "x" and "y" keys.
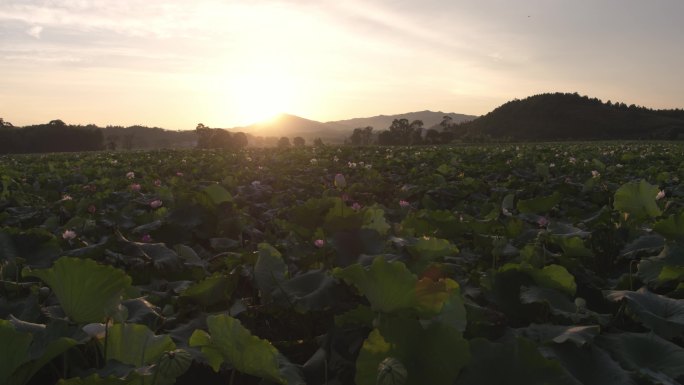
{"x": 177, "y": 63}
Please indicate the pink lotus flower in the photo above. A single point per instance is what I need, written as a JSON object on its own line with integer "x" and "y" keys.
{"x": 356, "y": 206}
{"x": 130, "y": 175}
{"x": 542, "y": 221}
{"x": 179, "y": 173}
{"x": 660, "y": 195}
{"x": 66, "y": 197}
{"x": 157, "y": 183}
{"x": 68, "y": 234}
{"x": 92, "y": 209}
{"x": 404, "y": 204}
{"x": 156, "y": 203}
{"x": 319, "y": 243}
{"x": 135, "y": 186}
{"x": 595, "y": 174}
{"x": 146, "y": 238}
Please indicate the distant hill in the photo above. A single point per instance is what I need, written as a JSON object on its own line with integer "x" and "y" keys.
{"x": 292, "y": 126}
{"x": 337, "y": 131}
{"x": 382, "y": 122}
{"x": 566, "y": 116}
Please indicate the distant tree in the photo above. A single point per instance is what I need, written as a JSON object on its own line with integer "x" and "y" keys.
{"x": 127, "y": 142}
{"x": 3, "y": 123}
{"x": 240, "y": 140}
{"x": 221, "y": 138}
{"x": 298, "y": 141}
{"x": 362, "y": 136}
{"x": 57, "y": 123}
{"x": 433, "y": 136}
{"x": 446, "y": 123}
{"x": 318, "y": 142}
{"x": 111, "y": 142}
{"x": 283, "y": 142}
{"x": 204, "y": 135}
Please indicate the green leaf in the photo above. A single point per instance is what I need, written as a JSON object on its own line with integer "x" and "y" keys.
{"x": 217, "y": 194}
{"x": 671, "y": 227}
{"x": 638, "y": 199}
{"x": 589, "y": 364}
{"x": 428, "y": 249}
{"x": 511, "y": 363}
{"x": 229, "y": 341}
{"x": 539, "y": 205}
{"x": 663, "y": 315}
{"x": 555, "y": 277}
{"x": 574, "y": 247}
{"x": 389, "y": 286}
{"x": 135, "y": 344}
{"x": 551, "y": 276}
{"x": 269, "y": 270}
{"x": 374, "y": 219}
{"x": 434, "y": 355}
{"x": 88, "y": 292}
{"x": 15, "y": 350}
{"x": 211, "y": 290}
{"x": 636, "y": 351}
{"x": 578, "y": 335}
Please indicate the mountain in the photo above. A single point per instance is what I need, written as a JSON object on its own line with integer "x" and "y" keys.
{"x": 382, "y": 122}
{"x": 292, "y": 126}
{"x": 569, "y": 116}
{"x": 337, "y": 131}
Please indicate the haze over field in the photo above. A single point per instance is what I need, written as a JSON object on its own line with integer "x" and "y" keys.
{"x": 176, "y": 63}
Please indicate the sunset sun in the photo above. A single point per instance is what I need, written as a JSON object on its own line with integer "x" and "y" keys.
{"x": 262, "y": 96}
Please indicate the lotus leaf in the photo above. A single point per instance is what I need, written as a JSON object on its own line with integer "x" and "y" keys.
{"x": 87, "y": 291}
{"x": 229, "y": 341}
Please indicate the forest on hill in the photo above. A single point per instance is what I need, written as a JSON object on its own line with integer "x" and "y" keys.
{"x": 569, "y": 116}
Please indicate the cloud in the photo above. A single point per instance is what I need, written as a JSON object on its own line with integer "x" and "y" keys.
{"x": 35, "y": 31}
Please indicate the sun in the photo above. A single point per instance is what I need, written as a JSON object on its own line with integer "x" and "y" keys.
{"x": 262, "y": 96}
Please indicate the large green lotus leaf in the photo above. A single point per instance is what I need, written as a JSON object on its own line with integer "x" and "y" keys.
{"x": 270, "y": 270}
{"x": 650, "y": 269}
{"x": 574, "y": 247}
{"x": 313, "y": 290}
{"x": 88, "y": 292}
{"x": 229, "y": 341}
{"x": 671, "y": 227}
{"x": 638, "y": 199}
{"x": 211, "y": 290}
{"x": 15, "y": 350}
{"x": 645, "y": 243}
{"x": 538, "y": 205}
{"x": 559, "y": 304}
{"x": 637, "y": 351}
{"x": 374, "y": 219}
{"x": 217, "y": 194}
{"x": 577, "y": 334}
{"x": 428, "y": 249}
{"x": 663, "y": 315}
{"x": 389, "y": 286}
{"x": 515, "y": 362}
{"x": 555, "y": 277}
{"x": 551, "y": 276}
{"x": 432, "y": 355}
{"x": 589, "y": 364}
{"x": 135, "y": 344}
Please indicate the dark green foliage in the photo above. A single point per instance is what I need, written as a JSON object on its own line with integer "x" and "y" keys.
{"x": 565, "y": 116}
{"x": 529, "y": 263}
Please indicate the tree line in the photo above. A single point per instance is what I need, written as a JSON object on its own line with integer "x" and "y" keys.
{"x": 54, "y": 136}
{"x": 404, "y": 133}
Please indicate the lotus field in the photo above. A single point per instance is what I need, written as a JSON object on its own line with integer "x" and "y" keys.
{"x": 491, "y": 264}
